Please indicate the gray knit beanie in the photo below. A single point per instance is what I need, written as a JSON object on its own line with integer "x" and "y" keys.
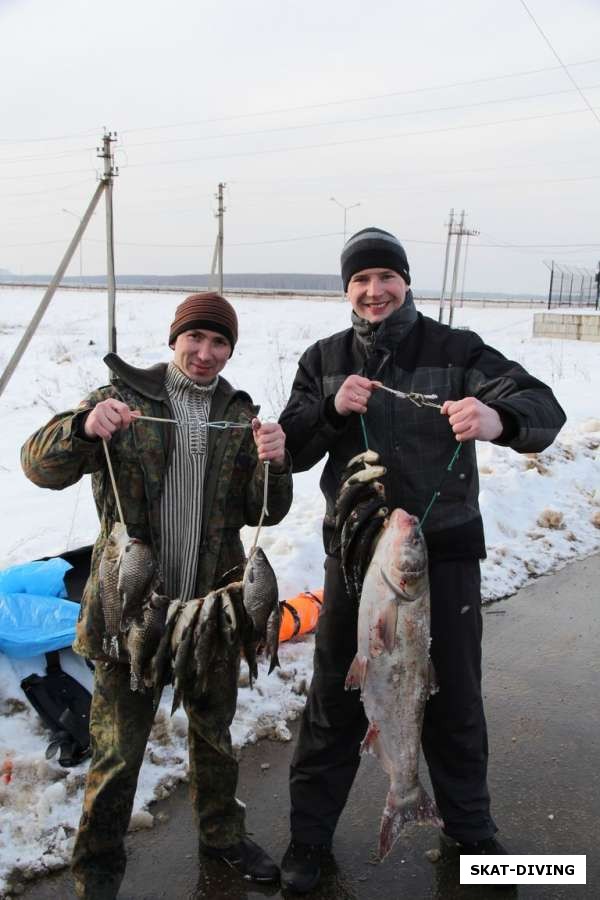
{"x": 373, "y": 248}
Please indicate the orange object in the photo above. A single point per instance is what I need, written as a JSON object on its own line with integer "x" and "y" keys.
{"x": 300, "y": 614}
{"x": 7, "y": 770}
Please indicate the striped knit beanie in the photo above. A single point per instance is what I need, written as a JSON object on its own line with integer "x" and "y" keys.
{"x": 209, "y": 311}
{"x": 373, "y": 248}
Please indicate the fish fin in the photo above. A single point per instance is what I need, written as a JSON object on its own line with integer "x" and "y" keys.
{"x": 113, "y": 647}
{"x": 176, "y": 698}
{"x": 370, "y": 743}
{"x": 383, "y": 636}
{"x": 417, "y": 809}
{"x": 356, "y": 673}
{"x": 274, "y": 662}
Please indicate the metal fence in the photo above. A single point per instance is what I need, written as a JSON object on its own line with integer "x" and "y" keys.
{"x": 573, "y": 285}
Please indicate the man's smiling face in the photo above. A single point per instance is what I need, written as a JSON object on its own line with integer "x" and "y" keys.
{"x": 376, "y": 293}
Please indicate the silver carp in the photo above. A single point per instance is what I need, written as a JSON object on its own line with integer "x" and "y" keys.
{"x": 136, "y": 570}
{"x": 393, "y": 670}
{"x": 108, "y": 574}
{"x": 143, "y": 640}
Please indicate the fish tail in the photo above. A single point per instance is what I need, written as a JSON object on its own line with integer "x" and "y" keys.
{"x": 274, "y": 662}
{"x": 176, "y": 698}
{"x": 418, "y": 809}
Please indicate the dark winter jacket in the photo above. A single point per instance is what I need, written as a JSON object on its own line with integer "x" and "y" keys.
{"x": 416, "y": 445}
{"x": 58, "y": 455}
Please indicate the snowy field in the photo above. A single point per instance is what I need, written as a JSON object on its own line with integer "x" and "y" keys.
{"x": 539, "y": 512}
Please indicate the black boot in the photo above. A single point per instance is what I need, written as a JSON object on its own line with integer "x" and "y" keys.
{"x": 247, "y": 858}
{"x": 301, "y": 866}
{"x": 490, "y": 845}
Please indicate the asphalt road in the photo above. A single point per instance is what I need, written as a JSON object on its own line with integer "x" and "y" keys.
{"x": 541, "y": 682}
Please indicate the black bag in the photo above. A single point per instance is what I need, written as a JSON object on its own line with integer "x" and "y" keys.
{"x": 63, "y": 705}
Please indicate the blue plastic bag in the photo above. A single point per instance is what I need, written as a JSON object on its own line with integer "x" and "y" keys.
{"x": 34, "y": 617}
{"x": 40, "y": 577}
{"x": 30, "y": 625}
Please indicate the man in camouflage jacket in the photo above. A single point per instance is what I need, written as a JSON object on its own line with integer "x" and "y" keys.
{"x": 202, "y": 335}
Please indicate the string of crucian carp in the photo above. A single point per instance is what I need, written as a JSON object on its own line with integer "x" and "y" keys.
{"x": 419, "y": 400}
{"x": 166, "y": 639}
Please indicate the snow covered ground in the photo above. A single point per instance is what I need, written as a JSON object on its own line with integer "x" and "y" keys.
{"x": 539, "y": 512}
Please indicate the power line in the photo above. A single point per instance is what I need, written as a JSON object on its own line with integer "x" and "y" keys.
{"x": 368, "y": 98}
{"x": 385, "y": 137}
{"x": 357, "y": 121}
{"x": 61, "y": 155}
{"x": 504, "y": 245}
{"x": 563, "y": 66}
{"x": 69, "y": 137}
{"x": 53, "y": 190}
{"x": 317, "y": 146}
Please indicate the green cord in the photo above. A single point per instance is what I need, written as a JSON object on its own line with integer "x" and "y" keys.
{"x": 437, "y": 492}
{"x": 364, "y": 431}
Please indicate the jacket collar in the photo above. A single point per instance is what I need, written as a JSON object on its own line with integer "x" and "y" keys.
{"x": 385, "y": 336}
{"x": 151, "y": 382}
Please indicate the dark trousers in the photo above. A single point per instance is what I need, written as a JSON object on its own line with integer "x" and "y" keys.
{"x": 454, "y": 737}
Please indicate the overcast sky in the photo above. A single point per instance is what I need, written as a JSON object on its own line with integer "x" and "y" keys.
{"x": 408, "y": 109}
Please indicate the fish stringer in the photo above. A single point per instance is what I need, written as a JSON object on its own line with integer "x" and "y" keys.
{"x": 264, "y": 511}
{"x": 113, "y": 482}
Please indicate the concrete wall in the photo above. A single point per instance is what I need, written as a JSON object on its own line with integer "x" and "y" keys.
{"x": 569, "y": 326}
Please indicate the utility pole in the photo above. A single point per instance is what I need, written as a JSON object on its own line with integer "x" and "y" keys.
{"x": 442, "y": 295}
{"x": 105, "y": 184}
{"x": 219, "y": 246}
{"x": 460, "y": 231}
{"x": 80, "y": 247}
{"x": 110, "y": 171}
{"x": 345, "y": 208}
{"x": 464, "y": 273}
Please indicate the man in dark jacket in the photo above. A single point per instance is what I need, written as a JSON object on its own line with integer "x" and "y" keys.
{"x": 483, "y": 397}
{"x": 185, "y": 490}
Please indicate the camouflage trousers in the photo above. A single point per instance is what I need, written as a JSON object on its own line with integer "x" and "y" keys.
{"x": 120, "y": 723}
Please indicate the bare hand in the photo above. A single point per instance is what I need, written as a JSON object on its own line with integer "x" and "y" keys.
{"x": 354, "y": 395}
{"x": 470, "y": 419}
{"x": 269, "y": 438}
{"x": 107, "y": 417}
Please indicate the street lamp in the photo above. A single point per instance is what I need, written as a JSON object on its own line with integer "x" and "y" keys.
{"x": 80, "y": 245}
{"x": 345, "y": 208}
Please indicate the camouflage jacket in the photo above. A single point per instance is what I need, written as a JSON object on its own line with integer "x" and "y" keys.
{"x": 58, "y": 455}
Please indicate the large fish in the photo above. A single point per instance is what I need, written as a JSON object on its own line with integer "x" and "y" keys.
{"x": 108, "y": 574}
{"x": 393, "y": 670}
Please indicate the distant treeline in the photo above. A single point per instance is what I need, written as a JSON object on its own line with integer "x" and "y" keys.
{"x": 267, "y": 281}
{"x": 253, "y": 280}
